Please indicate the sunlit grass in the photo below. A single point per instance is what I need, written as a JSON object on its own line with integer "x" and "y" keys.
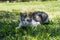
{"x": 10, "y": 18}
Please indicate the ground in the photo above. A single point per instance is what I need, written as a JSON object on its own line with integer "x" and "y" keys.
{"x": 10, "y": 18}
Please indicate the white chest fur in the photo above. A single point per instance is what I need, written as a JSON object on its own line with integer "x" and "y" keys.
{"x": 25, "y": 23}
{"x": 34, "y": 23}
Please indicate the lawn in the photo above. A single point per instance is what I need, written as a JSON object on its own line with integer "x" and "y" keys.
{"x": 10, "y": 18}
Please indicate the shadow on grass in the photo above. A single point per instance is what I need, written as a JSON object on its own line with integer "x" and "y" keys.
{"x": 8, "y": 22}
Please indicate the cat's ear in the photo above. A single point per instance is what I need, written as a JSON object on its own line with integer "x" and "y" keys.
{"x": 21, "y": 14}
{"x": 30, "y": 14}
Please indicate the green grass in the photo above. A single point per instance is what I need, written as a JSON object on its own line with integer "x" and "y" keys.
{"x": 10, "y": 18}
